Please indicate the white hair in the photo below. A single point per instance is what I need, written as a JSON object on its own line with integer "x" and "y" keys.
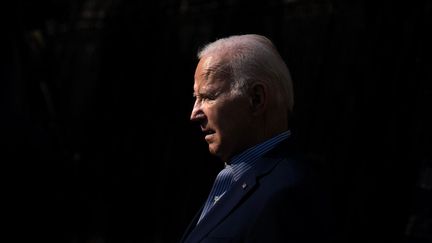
{"x": 249, "y": 58}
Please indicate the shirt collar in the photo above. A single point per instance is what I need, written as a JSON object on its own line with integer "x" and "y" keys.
{"x": 247, "y": 159}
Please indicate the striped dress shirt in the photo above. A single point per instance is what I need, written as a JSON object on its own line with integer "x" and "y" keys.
{"x": 246, "y": 160}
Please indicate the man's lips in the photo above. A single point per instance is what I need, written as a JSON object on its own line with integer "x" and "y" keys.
{"x": 208, "y": 133}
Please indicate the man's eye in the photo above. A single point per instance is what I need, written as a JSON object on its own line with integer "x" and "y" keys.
{"x": 207, "y": 98}
{"x": 204, "y": 98}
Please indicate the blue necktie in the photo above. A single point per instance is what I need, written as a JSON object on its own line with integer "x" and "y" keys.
{"x": 222, "y": 183}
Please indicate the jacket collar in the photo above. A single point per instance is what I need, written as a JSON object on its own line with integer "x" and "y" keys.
{"x": 233, "y": 197}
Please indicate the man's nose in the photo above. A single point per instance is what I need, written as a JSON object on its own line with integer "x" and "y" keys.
{"x": 197, "y": 112}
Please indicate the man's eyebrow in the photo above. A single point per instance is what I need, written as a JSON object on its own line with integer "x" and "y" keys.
{"x": 195, "y": 94}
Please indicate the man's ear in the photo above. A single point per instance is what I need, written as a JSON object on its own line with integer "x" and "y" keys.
{"x": 258, "y": 94}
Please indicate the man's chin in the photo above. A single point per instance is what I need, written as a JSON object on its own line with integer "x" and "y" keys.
{"x": 213, "y": 149}
{"x": 217, "y": 152}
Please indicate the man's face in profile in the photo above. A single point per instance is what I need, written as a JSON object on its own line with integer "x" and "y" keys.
{"x": 224, "y": 116}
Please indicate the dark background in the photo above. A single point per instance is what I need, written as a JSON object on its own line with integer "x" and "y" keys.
{"x": 96, "y": 95}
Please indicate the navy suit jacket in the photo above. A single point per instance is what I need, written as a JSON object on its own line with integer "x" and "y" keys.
{"x": 282, "y": 199}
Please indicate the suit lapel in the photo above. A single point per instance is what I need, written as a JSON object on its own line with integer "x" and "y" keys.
{"x": 229, "y": 201}
{"x": 192, "y": 225}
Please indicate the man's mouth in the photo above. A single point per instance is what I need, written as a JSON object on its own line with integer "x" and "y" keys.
{"x": 208, "y": 134}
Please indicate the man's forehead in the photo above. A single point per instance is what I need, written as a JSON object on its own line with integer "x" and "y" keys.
{"x": 203, "y": 72}
{"x": 205, "y": 85}
{"x": 207, "y": 62}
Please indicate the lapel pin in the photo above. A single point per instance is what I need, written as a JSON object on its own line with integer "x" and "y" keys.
{"x": 244, "y": 185}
